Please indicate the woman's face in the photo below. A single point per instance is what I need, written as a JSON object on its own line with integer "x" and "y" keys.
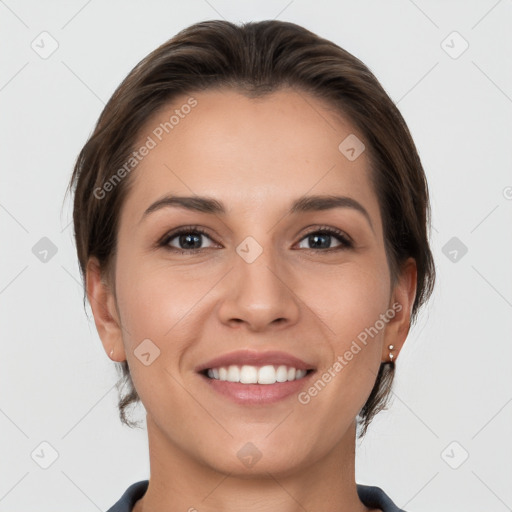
{"x": 262, "y": 276}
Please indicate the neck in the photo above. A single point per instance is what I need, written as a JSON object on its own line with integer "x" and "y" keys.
{"x": 180, "y": 483}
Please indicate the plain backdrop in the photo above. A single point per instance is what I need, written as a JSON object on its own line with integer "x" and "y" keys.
{"x": 445, "y": 442}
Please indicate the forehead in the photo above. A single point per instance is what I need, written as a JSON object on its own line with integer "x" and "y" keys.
{"x": 269, "y": 151}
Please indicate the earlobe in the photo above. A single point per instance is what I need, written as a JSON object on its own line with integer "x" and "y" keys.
{"x": 402, "y": 301}
{"x": 103, "y": 306}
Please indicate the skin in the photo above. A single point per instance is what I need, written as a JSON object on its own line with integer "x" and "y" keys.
{"x": 256, "y": 156}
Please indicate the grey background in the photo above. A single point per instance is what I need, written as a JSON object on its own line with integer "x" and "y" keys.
{"x": 453, "y": 393}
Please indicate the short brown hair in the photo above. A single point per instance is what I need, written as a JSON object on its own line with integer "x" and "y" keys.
{"x": 256, "y": 59}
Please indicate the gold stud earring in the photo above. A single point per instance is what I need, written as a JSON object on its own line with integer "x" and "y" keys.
{"x": 391, "y": 355}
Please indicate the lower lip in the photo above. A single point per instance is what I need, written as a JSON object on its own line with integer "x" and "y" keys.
{"x": 258, "y": 394}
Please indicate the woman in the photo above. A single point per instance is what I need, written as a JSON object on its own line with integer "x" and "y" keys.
{"x": 251, "y": 221}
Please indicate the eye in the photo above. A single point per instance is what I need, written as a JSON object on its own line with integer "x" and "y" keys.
{"x": 321, "y": 239}
{"x": 185, "y": 240}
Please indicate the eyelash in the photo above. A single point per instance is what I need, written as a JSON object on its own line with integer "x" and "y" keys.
{"x": 346, "y": 242}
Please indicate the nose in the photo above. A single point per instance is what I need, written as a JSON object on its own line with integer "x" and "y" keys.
{"x": 259, "y": 294}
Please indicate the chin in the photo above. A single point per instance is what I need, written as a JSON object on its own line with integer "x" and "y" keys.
{"x": 250, "y": 459}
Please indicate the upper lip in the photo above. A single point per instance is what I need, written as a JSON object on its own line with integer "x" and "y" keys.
{"x": 255, "y": 358}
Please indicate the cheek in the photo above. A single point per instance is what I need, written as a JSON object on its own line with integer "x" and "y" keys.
{"x": 351, "y": 298}
{"x": 154, "y": 299}
{"x": 155, "y": 305}
{"x": 158, "y": 301}
{"x": 352, "y": 307}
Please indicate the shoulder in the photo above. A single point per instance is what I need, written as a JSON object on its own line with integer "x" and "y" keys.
{"x": 369, "y": 495}
{"x": 130, "y": 496}
{"x": 375, "y": 497}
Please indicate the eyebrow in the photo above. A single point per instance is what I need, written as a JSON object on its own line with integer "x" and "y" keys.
{"x": 215, "y": 207}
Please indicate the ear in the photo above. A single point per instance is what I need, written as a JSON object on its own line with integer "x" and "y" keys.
{"x": 402, "y": 300}
{"x": 103, "y": 305}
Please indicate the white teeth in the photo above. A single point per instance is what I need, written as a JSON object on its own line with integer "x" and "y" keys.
{"x": 282, "y": 374}
{"x": 266, "y": 375}
{"x": 233, "y": 374}
{"x": 248, "y": 374}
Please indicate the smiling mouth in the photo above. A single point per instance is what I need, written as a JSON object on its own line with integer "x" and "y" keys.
{"x": 248, "y": 374}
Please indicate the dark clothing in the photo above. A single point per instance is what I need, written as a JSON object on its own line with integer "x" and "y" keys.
{"x": 371, "y": 496}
